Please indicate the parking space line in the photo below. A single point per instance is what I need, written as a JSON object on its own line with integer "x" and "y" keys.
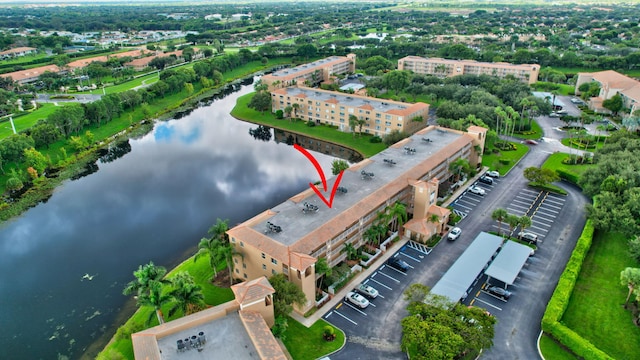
{"x": 346, "y": 318}
{"x": 493, "y": 296}
{"x": 545, "y": 216}
{"x": 489, "y": 304}
{"x": 466, "y": 201}
{"x": 410, "y": 257}
{"x": 381, "y": 284}
{"x": 535, "y": 222}
{"x": 526, "y": 198}
{"x": 516, "y": 211}
{"x": 550, "y": 210}
{"x": 525, "y": 203}
{"x": 355, "y": 308}
{"x": 535, "y": 193}
{"x": 392, "y": 278}
{"x": 462, "y": 206}
{"x": 540, "y": 229}
{"x": 518, "y": 206}
{"x": 555, "y": 201}
{"x": 476, "y": 198}
{"x": 545, "y": 205}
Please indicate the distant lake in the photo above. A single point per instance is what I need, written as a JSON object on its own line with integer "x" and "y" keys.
{"x": 64, "y": 263}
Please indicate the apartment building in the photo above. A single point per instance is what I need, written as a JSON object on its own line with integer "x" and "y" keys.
{"x": 17, "y": 52}
{"x": 611, "y": 83}
{"x": 293, "y": 235}
{"x": 312, "y": 73}
{"x": 238, "y": 329}
{"x": 446, "y": 68}
{"x": 333, "y": 108}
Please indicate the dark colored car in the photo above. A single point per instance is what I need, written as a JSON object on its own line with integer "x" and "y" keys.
{"x": 531, "y": 142}
{"x": 398, "y": 264}
{"x": 499, "y": 292}
{"x": 485, "y": 179}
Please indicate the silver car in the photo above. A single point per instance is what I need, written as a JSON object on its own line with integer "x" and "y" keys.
{"x": 357, "y": 300}
{"x": 367, "y": 291}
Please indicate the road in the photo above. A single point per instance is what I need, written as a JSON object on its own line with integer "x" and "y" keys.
{"x": 519, "y": 321}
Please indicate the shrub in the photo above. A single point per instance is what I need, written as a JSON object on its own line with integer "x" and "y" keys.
{"x": 279, "y": 327}
{"x": 279, "y": 114}
{"x": 375, "y": 139}
{"x": 505, "y": 161}
{"x": 329, "y": 333}
{"x": 310, "y": 123}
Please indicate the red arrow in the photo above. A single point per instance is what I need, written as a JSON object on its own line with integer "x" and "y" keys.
{"x": 322, "y": 177}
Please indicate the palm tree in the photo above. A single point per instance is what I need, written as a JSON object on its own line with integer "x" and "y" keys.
{"x": 209, "y": 247}
{"x": 323, "y": 270}
{"x": 499, "y": 215}
{"x": 353, "y": 122}
{"x": 361, "y": 123}
{"x": 187, "y": 295}
{"x": 219, "y": 230}
{"x": 295, "y": 107}
{"x": 156, "y": 298}
{"x": 524, "y": 222}
{"x": 630, "y": 277}
{"x": 287, "y": 110}
{"x": 351, "y": 251}
{"x": 226, "y": 252}
{"x": 459, "y": 167}
{"x": 513, "y": 221}
{"x": 398, "y": 212}
{"x": 371, "y": 234}
{"x": 146, "y": 276}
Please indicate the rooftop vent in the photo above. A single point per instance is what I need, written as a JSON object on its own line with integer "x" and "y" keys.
{"x": 390, "y": 162}
{"x": 409, "y": 150}
{"x": 309, "y": 208}
{"x": 426, "y": 140}
{"x": 273, "y": 228}
{"x": 342, "y": 189}
{"x": 365, "y": 175}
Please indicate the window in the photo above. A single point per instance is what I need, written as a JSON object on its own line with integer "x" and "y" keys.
{"x": 273, "y": 272}
{"x": 237, "y": 271}
{"x": 235, "y": 261}
{"x": 264, "y": 267}
{"x": 241, "y": 244}
{"x": 274, "y": 261}
{"x": 245, "y": 275}
{"x": 263, "y": 256}
{"x": 233, "y": 239}
{"x": 244, "y": 265}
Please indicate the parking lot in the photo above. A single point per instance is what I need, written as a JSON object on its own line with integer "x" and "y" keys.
{"x": 468, "y": 201}
{"x": 390, "y": 283}
{"x": 541, "y": 206}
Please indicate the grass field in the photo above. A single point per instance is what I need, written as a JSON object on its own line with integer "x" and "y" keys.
{"x": 595, "y": 309}
{"x": 28, "y": 120}
{"x": 307, "y": 343}
{"x": 358, "y": 143}
{"x": 554, "y": 161}
{"x": 553, "y": 351}
{"x": 496, "y": 161}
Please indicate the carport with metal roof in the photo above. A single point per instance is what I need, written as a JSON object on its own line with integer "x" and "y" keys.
{"x": 465, "y": 270}
{"x": 507, "y": 265}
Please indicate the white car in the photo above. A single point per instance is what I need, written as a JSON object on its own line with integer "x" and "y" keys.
{"x": 454, "y": 234}
{"x": 493, "y": 173}
{"x": 528, "y": 237}
{"x": 367, "y": 291}
{"x": 476, "y": 190}
{"x": 357, "y": 300}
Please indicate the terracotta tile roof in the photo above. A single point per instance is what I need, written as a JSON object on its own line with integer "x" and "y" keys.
{"x": 259, "y": 240}
{"x": 17, "y": 50}
{"x": 251, "y": 291}
{"x": 330, "y": 229}
{"x": 300, "y": 261}
{"x": 365, "y": 106}
{"x": 261, "y": 336}
{"x": 31, "y": 73}
{"x": 439, "y": 210}
{"x": 614, "y": 79}
{"x": 421, "y": 226}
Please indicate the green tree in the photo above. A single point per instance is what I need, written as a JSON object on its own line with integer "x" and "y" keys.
{"x": 541, "y": 177}
{"x": 398, "y": 215}
{"x": 36, "y": 160}
{"x": 187, "y": 295}
{"x": 338, "y": 165}
{"x": 634, "y": 248}
{"x": 513, "y": 221}
{"x": 322, "y": 271}
{"x": 209, "y": 247}
{"x": 226, "y": 252}
{"x": 219, "y": 230}
{"x": 499, "y": 215}
{"x": 286, "y": 295}
{"x": 397, "y": 80}
{"x": 12, "y": 147}
{"x": 14, "y": 184}
{"x": 188, "y": 87}
{"x": 614, "y": 104}
{"x": 261, "y": 101}
{"x": 45, "y": 134}
{"x": 145, "y": 277}
{"x": 287, "y": 111}
{"x": 631, "y": 278}
{"x": 524, "y": 222}
{"x": 353, "y": 122}
{"x": 307, "y": 51}
{"x": 156, "y": 297}
{"x": 459, "y": 168}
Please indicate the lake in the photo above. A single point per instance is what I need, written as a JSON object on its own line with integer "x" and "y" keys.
{"x": 64, "y": 263}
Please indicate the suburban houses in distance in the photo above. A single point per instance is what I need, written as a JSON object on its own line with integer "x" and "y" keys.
{"x": 447, "y": 68}
{"x": 289, "y": 239}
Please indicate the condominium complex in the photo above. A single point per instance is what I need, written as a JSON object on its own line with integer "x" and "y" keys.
{"x": 445, "y": 68}
{"x": 380, "y": 116}
{"x": 291, "y": 237}
{"x": 311, "y": 73}
{"x": 612, "y": 83}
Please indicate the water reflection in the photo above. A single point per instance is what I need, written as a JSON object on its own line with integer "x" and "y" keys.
{"x": 152, "y": 200}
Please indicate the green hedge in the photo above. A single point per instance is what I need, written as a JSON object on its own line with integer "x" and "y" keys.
{"x": 565, "y": 175}
{"x": 559, "y": 301}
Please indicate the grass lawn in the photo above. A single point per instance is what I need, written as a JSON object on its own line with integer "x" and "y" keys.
{"x": 554, "y": 351}
{"x": 496, "y": 161}
{"x": 592, "y": 147}
{"x": 554, "y": 162}
{"x": 308, "y": 344}
{"x": 28, "y": 120}
{"x": 595, "y": 309}
{"x": 202, "y": 274}
{"x": 360, "y": 144}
